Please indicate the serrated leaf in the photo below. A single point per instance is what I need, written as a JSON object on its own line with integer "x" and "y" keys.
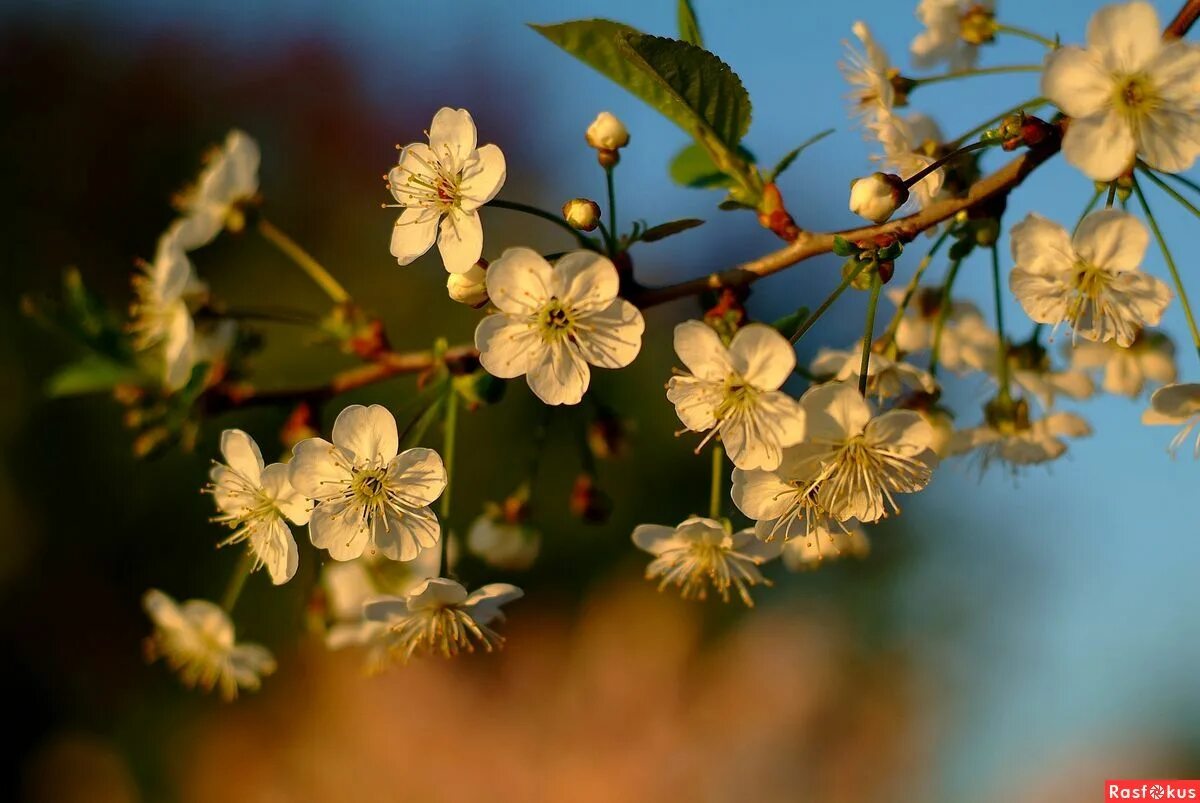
{"x": 791, "y": 155}
{"x": 693, "y": 167}
{"x": 689, "y": 27}
{"x": 91, "y": 374}
{"x": 664, "y": 230}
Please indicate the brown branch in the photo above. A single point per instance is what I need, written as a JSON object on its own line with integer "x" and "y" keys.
{"x": 1183, "y": 21}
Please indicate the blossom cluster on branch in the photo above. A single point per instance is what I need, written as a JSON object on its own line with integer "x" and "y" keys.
{"x": 807, "y": 473}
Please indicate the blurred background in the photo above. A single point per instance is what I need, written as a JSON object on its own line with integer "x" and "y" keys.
{"x": 1008, "y": 639}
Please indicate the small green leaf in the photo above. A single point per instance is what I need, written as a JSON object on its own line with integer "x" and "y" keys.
{"x": 689, "y": 28}
{"x": 790, "y": 157}
{"x": 843, "y": 247}
{"x": 789, "y": 325}
{"x": 91, "y": 374}
{"x": 693, "y": 167}
{"x": 664, "y": 230}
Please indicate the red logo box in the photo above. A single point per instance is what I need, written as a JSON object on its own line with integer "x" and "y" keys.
{"x": 1156, "y": 789}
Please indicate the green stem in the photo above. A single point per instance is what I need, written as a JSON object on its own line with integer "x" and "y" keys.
{"x": 1087, "y": 209}
{"x": 889, "y": 334}
{"x": 237, "y": 580}
{"x": 614, "y": 232}
{"x": 1167, "y": 188}
{"x": 1166, "y": 252}
{"x": 1002, "y": 373}
{"x": 1029, "y": 105}
{"x": 955, "y": 154}
{"x": 869, "y": 333}
{"x": 1112, "y": 194}
{"x": 939, "y": 323}
{"x": 828, "y": 302}
{"x": 266, "y": 315}
{"x": 1026, "y": 34}
{"x": 514, "y": 206}
{"x": 450, "y": 425}
{"x": 1184, "y": 180}
{"x": 950, "y": 76}
{"x": 714, "y": 497}
{"x": 304, "y": 260}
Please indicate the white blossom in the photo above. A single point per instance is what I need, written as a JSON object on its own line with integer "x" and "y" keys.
{"x": 228, "y": 182}
{"x": 256, "y": 501}
{"x": 907, "y": 143}
{"x": 502, "y": 543}
{"x": 161, "y": 321}
{"x": 783, "y": 502}
{"x": 1176, "y": 405}
{"x": 1150, "y": 358}
{"x": 1129, "y": 94}
{"x": 369, "y": 496}
{"x": 827, "y": 540}
{"x": 1090, "y": 280}
{"x": 877, "y": 197}
{"x": 441, "y": 187}
{"x": 196, "y": 639}
{"x": 886, "y": 377}
{"x": 942, "y": 39}
{"x": 967, "y": 342}
{"x": 607, "y": 133}
{"x": 555, "y": 321}
{"x": 869, "y": 73}
{"x": 439, "y": 617}
{"x": 1021, "y": 441}
{"x": 702, "y": 553}
{"x": 734, "y": 391}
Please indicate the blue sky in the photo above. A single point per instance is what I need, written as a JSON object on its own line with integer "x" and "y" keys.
{"x": 1082, "y": 576}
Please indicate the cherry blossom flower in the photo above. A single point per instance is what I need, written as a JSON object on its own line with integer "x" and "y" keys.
{"x": 734, "y": 391}
{"x": 441, "y": 187}
{"x": 828, "y": 540}
{"x": 161, "y": 322}
{"x": 256, "y": 501}
{"x": 1020, "y": 440}
{"x": 869, "y": 73}
{"x": 502, "y": 543}
{"x": 1129, "y": 94}
{"x": 368, "y": 495}
{"x": 439, "y": 617}
{"x": 861, "y": 460}
{"x": 907, "y": 143}
{"x": 947, "y": 38}
{"x": 702, "y": 553}
{"x": 783, "y": 502}
{"x": 967, "y": 342}
{"x": 1150, "y": 358}
{"x": 886, "y": 377}
{"x": 196, "y": 639}
{"x": 1090, "y": 280}
{"x": 555, "y": 321}
{"x": 228, "y": 182}
{"x": 1176, "y": 405}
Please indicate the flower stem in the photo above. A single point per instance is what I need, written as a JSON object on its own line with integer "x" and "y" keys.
{"x": 889, "y": 334}
{"x": 613, "y": 231}
{"x": 1166, "y": 252}
{"x": 450, "y": 429}
{"x": 1030, "y": 105}
{"x": 1167, "y": 188}
{"x": 950, "y": 76}
{"x": 237, "y": 580}
{"x": 955, "y": 154}
{"x": 1112, "y": 194}
{"x": 1184, "y": 180}
{"x": 939, "y": 323}
{"x": 869, "y": 333}
{"x": 1087, "y": 209}
{"x": 1027, "y": 34}
{"x": 1002, "y": 377}
{"x": 714, "y": 497}
{"x": 514, "y": 206}
{"x": 304, "y": 260}
{"x": 828, "y": 302}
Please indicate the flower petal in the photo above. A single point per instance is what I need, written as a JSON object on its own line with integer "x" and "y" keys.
{"x": 834, "y": 411}
{"x": 1111, "y": 239}
{"x": 403, "y": 535}
{"x": 612, "y": 337}
{"x": 1076, "y": 83}
{"x": 695, "y": 401}
{"x": 275, "y": 548}
{"x": 521, "y": 281}
{"x": 653, "y": 538}
{"x": 460, "y": 240}
{"x": 700, "y": 349}
{"x": 414, "y": 233}
{"x": 1041, "y": 246}
{"x": 241, "y": 454}
{"x": 507, "y": 345}
{"x": 452, "y": 137}
{"x": 762, "y": 356}
{"x": 417, "y": 476}
{"x": 368, "y": 432}
{"x": 482, "y": 177}
{"x": 484, "y": 602}
{"x": 589, "y": 281}
{"x": 319, "y": 469}
{"x": 276, "y": 482}
{"x": 1125, "y": 36}
{"x": 559, "y": 375}
{"x": 334, "y": 528}
{"x": 1102, "y": 145}
{"x": 761, "y": 495}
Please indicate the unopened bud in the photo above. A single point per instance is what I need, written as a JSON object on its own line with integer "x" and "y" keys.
{"x": 469, "y": 288}
{"x": 607, "y": 133}
{"x": 877, "y": 197}
{"x": 582, "y": 214}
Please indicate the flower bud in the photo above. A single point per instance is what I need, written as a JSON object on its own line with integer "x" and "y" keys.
{"x": 588, "y": 502}
{"x": 469, "y": 288}
{"x": 582, "y": 214}
{"x": 607, "y": 133}
{"x": 877, "y": 196}
{"x": 978, "y": 25}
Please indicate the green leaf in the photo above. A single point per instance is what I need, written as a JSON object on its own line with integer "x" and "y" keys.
{"x": 693, "y": 167}
{"x": 689, "y": 28}
{"x": 664, "y": 230}
{"x": 843, "y": 247}
{"x": 91, "y": 374}
{"x": 790, "y": 157}
{"x": 789, "y": 325}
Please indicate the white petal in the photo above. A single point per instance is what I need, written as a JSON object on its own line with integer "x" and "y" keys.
{"x": 1041, "y": 246}
{"x": 436, "y": 592}
{"x": 589, "y": 281}
{"x": 1125, "y": 36}
{"x": 276, "y": 482}
{"x": 612, "y": 337}
{"x": 1177, "y": 402}
{"x": 318, "y": 468}
{"x": 701, "y": 351}
{"x": 559, "y": 375}
{"x": 406, "y": 534}
{"x": 1112, "y": 239}
{"x": 762, "y": 356}
{"x": 452, "y": 137}
{"x": 1169, "y": 138}
{"x": 368, "y": 432}
{"x": 274, "y": 545}
{"x": 507, "y": 345}
{"x": 417, "y": 476}
{"x": 1076, "y": 83}
{"x": 901, "y": 432}
{"x": 484, "y": 602}
{"x": 761, "y": 495}
{"x": 384, "y": 608}
{"x": 653, "y": 538}
{"x": 241, "y": 454}
{"x": 521, "y": 281}
{"x": 1102, "y": 145}
{"x": 834, "y": 411}
{"x": 414, "y": 233}
{"x": 482, "y": 178}
{"x": 341, "y": 532}
{"x": 460, "y": 240}
{"x": 695, "y": 401}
